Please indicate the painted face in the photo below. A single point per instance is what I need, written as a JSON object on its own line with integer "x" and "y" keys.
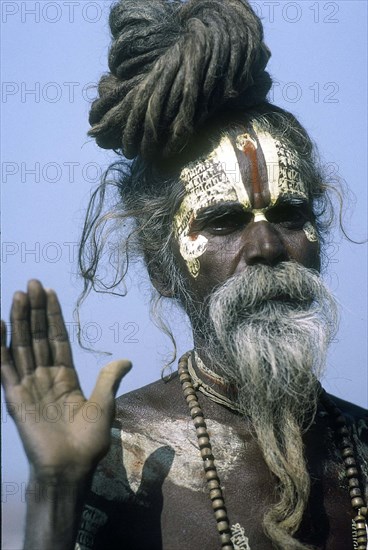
{"x": 252, "y": 170}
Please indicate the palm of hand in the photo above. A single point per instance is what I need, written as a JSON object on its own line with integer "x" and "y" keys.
{"x": 60, "y": 429}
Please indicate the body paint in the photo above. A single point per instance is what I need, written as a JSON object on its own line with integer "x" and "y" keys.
{"x": 208, "y": 181}
{"x": 254, "y": 169}
{"x": 129, "y": 453}
{"x": 310, "y": 232}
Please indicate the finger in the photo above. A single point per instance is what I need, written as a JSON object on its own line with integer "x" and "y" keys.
{"x": 57, "y": 333}
{"x": 39, "y": 327}
{"x": 108, "y": 382}
{"x": 21, "y": 348}
{"x": 9, "y": 375}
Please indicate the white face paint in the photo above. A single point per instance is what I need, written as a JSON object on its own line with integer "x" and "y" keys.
{"x": 310, "y": 232}
{"x": 207, "y": 182}
{"x": 218, "y": 179}
{"x": 282, "y": 168}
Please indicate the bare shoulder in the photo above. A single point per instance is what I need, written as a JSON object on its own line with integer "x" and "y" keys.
{"x": 149, "y": 403}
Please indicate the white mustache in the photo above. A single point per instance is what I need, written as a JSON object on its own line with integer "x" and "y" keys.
{"x": 287, "y": 282}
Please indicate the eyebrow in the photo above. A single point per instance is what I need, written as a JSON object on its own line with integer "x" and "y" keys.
{"x": 233, "y": 207}
{"x": 291, "y": 200}
{"x": 221, "y": 209}
{"x": 217, "y": 210}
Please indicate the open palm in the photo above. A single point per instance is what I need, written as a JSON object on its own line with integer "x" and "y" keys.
{"x": 61, "y": 430}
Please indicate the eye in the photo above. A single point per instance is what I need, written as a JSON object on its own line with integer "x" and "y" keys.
{"x": 289, "y": 215}
{"x": 227, "y": 223}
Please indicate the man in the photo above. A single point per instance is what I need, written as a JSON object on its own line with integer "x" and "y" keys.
{"x": 230, "y": 228}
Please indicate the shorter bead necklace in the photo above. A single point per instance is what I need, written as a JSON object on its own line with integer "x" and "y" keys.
{"x": 359, "y": 523}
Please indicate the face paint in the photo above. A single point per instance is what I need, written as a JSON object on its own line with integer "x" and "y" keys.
{"x": 207, "y": 182}
{"x": 254, "y": 169}
{"x": 310, "y": 232}
{"x": 278, "y": 166}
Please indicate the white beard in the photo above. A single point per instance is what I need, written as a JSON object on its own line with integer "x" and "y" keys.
{"x": 268, "y": 333}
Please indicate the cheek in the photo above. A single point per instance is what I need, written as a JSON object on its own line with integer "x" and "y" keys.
{"x": 303, "y": 250}
{"x": 218, "y": 262}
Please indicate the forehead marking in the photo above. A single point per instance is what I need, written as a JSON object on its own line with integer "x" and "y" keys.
{"x": 271, "y": 157}
{"x": 207, "y": 182}
{"x": 254, "y": 170}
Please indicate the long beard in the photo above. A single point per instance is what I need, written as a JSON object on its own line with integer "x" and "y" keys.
{"x": 267, "y": 332}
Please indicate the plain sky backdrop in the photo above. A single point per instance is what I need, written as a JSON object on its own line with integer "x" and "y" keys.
{"x": 52, "y": 52}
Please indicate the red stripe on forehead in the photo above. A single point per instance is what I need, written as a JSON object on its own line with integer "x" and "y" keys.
{"x": 253, "y": 168}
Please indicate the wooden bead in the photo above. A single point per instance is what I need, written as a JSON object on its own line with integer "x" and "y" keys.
{"x": 225, "y": 539}
{"x": 349, "y": 461}
{"x": 199, "y": 421}
{"x": 223, "y": 527}
{"x": 206, "y": 452}
{"x": 213, "y": 484}
{"x": 364, "y": 511}
{"x": 209, "y": 464}
{"x": 218, "y": 503}
{"x": 355, "y": 492}
{"x": 187, "y": 384}
{"x": 221, "y": 515}
{"x": 196, "y": 411}
{"x": 353, "y": 482}
{"x": 185, "y": 380}
{"x": 357, "y": 502}
{"x": 360, "y": 528}
{"x": 352, "y": 472}
{"x": 204, "y": 441}
{"x": 192, "y": 402}
{"x": 190, "y": 391}
{"x": 201, "y": 431}
{"x": 348, "y": 451}
{"x": 215, "y": 494}
{"x": 211, "y": 474}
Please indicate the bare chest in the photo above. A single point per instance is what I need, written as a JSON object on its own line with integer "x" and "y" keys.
{"x": 157, "y": 475}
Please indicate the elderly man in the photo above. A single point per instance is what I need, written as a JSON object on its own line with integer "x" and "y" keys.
{"x": 241, "y": 448}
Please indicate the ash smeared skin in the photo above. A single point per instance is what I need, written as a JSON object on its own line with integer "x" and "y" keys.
{"x": 211, "y": 180}
{"x": 186, "y": 470}
{"x": 310, "y": 232}
{"x": 273, "y": 171}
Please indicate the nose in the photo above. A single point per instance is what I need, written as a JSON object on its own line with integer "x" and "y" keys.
{"x": 263, "y": 245}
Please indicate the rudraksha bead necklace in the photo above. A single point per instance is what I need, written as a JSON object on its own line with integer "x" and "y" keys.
{"x": 359, "y": 523}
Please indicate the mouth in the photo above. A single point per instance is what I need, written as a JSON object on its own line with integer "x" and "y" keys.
{"x": 291, "y": 301}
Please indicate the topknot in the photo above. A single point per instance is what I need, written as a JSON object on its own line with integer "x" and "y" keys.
{"x": 172, "y": 66}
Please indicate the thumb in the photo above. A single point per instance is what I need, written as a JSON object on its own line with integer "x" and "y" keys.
{"x": 108, "y": 382}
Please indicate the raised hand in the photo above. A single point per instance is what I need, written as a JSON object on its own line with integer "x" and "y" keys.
{"x": 62, "y": 432}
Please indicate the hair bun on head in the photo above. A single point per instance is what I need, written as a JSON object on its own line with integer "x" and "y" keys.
{"x": 172, "y": 66}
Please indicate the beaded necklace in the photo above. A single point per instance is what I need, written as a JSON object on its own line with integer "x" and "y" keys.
{"x": 186, "y": 375}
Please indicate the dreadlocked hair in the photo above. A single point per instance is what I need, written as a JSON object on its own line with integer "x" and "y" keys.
{"x": 172, "y": 65}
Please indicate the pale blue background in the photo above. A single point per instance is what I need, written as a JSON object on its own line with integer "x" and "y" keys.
{"x": 319, "y": 55}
